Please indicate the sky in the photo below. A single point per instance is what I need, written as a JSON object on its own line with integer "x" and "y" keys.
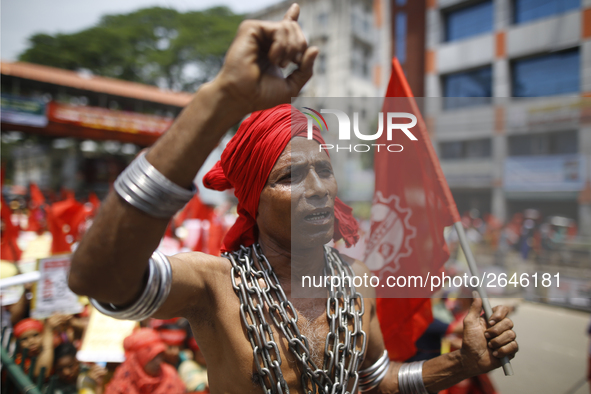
{"x": 22, "y": 18}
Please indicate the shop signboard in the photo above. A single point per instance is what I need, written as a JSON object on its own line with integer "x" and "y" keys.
{"x": 23, "y": 111}
{"x": 107, "y": 119}
{"x": 551, "y": 173}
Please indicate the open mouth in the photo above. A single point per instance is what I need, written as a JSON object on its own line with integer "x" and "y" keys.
{"x": 318, "y": 217}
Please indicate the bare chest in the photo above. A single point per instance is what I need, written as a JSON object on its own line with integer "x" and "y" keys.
{"x": 253, "y": 350}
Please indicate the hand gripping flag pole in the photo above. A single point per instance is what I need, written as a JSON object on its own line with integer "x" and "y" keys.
{"x": 507, "y": 368}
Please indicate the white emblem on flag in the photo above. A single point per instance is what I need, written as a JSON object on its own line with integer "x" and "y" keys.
{"x": 391, "y": 234}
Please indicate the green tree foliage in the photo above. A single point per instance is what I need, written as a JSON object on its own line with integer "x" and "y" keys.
{"x": 157, "y": 46}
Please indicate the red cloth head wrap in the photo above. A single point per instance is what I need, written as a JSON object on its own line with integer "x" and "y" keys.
{"x": 172, "y": 337}
{"x": 130, "y": 378}
{"x": 247, "y": 162}
{"x": 27, "y": 325}
{"x": 143, "y": 345}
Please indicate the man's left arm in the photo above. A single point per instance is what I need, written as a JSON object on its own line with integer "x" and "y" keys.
{"x": 483, "y": 346}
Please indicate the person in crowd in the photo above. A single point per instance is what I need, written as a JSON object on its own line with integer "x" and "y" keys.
{"x": 173, "y": 337}
{"x": 429, "y": 343}
{"x": 70, "y": 378}
{"x": 37, "y": 339}
{"x": 193, "y": 369}
{"x": 70, "y": 329}
{"x": 22, "y": 308}
{"x": 270, "y": 173}
{"x": 144, "y": 370}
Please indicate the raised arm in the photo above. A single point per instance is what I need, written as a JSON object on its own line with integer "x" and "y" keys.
{"x": 111, "y": 260}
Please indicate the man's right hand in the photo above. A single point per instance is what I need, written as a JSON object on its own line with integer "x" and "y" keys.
{"x": 251, "y": 74}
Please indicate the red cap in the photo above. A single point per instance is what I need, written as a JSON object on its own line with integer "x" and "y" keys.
{"x": 27, "y": 325}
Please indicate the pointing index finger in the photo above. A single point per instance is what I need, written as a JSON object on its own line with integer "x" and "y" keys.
{"x": 292, "y": 13}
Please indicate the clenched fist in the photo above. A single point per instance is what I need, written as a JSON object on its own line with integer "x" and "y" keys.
{"x": 251, "y": 73}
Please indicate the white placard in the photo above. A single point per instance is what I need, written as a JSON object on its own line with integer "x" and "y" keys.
{"x": 51, "y": 293}
{"x": 103, "y": 339}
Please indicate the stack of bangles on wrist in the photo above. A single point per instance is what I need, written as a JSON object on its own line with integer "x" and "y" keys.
{"x": 144, "y": 187}
{"x": 371, "y": 377}
{"x": 155, "y": 293}
{"x": 410, "y": 378}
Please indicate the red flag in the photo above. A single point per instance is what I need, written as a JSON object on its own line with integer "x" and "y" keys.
{"x": 412, "y": 205}
{"x": 62, "y": 223}
{"x": 216, "y": 236}
{"x": 195, "y": 209}
{"x": 9, "y": 249}
{"x": 35, "y": 213}
{"x": 59, "y": 243}
{"x": 33, "y": 222}
{"x": 37, "y": 197}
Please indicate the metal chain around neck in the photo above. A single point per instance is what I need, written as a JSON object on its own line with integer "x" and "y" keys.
{"x": 345, "y": 341}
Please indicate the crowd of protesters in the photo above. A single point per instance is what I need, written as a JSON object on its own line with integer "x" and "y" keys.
{"x": 528, "y": 233}
{"x": 160, "y": 356}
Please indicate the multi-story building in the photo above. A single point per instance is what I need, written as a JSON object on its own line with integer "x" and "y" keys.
{"x": 512, "y": 130}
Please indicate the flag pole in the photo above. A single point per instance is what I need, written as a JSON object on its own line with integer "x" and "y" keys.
{"x": 481, "y": 290}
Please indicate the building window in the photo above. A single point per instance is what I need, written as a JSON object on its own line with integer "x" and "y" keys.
{"x": 321, "y": 67}
{"x": 401, "y": 37}
{"x": 360, "y": 59}
{"x": 547, "y": 75}
{"x": 530, "y": 10}
{"x": 470, "y": 149}
{"x": 556, "y": 143}
{"x": 467, "y": 88}
{"x": 469, "y": 21}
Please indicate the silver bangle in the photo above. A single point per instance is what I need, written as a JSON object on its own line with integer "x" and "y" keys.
{"x": 371, "y": 377}
{"x": 144, "y": 187}
{"x": 410, "y": 378}
{"x": 155, "y": 293}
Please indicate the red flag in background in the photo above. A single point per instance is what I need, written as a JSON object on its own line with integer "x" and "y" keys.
{"x": 37, "y": 197}
{"x": 195, "y": 209}
{"x": 62, "y": 223}
{"x": 216, "y": 236}
{"x": 9, "y": 249}
{"x": 35, "y": 213}
{"x": 412, "y": 205}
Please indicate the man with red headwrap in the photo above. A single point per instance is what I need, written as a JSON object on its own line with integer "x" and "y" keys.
{"x": 37, "y": 338}
{"x": 144, "y": 370}
{"x": 250, "y": 327}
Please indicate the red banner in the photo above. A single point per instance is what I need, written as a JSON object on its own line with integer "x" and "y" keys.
{"x": 106, "y": 119}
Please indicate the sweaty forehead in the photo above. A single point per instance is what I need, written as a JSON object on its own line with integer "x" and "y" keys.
{"x": 300, "y": 150}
